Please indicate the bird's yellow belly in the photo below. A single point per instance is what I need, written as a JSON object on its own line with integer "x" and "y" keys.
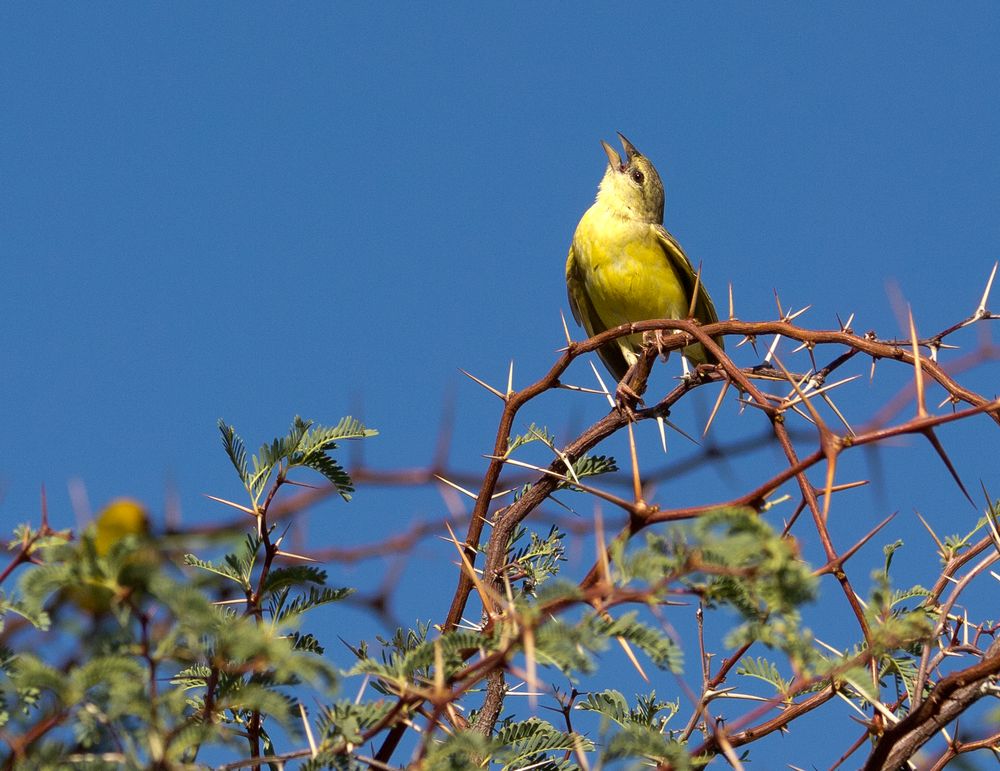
{"x": 627, "y": 276}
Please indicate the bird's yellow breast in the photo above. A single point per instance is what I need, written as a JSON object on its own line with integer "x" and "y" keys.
{"x": 624, "y": 269}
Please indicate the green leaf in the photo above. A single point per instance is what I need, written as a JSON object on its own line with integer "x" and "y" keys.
{"x": 226, "y": 571}
{"x": 762, "y": 669}
{"x": 660, "y": 648}
{"x": 235, "y": 449}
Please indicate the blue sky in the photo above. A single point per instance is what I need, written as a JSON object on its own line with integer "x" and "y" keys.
{"x": 249, "y": 212}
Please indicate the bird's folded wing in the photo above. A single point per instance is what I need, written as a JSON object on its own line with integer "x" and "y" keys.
{"x": 704, "y": 308}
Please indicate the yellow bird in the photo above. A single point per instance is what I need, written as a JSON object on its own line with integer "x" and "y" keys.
{"x": 121, "y": 518}
{"x": 97, "y": 585}
{"x": 624, "y": 266}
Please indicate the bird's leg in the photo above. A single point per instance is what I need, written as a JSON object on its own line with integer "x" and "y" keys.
{"x": 626, "y": 398}
{"x": 656, "y": 336}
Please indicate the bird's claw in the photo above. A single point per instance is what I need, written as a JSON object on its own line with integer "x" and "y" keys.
{"x": 656, "y": 336}
{"x": 626, "y": 400}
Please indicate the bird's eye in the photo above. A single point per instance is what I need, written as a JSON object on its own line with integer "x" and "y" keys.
{"x": 637, "y": 176}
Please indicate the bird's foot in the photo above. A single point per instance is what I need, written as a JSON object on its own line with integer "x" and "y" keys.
{"x": 627, "y": 400}
{"x": 656, "y": 336}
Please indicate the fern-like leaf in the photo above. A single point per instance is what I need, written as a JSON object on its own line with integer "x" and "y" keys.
{"x": 235, "y": 449}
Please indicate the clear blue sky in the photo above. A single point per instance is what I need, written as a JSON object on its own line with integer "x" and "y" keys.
{"x": 231, "y": 210}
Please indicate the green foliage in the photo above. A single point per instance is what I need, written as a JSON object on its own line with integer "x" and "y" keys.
{"x": 460, "y": 751}
{"x": 536, "y": 562}
{"x": 613, "y": 707}
{"x": 532, "y": 742}
{"x": 305, "y": 445}
{"x": 730, "y": 558}
{"x": 158, "y": 670}
{"x": 533, "y": 434}
{"x": 765, "y": 670}
{"x": 170, "y": 662}
{"x": 593, "y": 465}
{"x": 410, "y": 655}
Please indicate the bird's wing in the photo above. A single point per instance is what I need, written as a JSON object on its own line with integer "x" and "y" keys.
{"x": 704, "y": 308}
{"x": 574, "y": 288}
{"x": 586, "y": 316}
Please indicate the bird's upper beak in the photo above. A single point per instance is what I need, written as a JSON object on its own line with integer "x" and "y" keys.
{"x": 630, "y": 151}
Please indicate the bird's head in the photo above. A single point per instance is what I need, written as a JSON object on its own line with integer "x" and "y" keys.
{"x": 631, "y": 187}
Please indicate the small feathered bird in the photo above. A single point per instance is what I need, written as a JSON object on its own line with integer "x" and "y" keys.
{"x": 624, "y": 266}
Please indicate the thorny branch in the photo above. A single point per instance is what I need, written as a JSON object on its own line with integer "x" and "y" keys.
{"x": 945, "y": 686}
{"x": 642, "y": 514}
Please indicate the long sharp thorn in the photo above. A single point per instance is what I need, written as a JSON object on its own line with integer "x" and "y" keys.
{"x": 682, "y": 432}
{"x": 993, "y": 529}
{"x": 831, "y": 470}
{"x": 602, "y": 546}
{"x": 937, "y": 541}
{"x": 715, "y": 409}
{"x": 582, "y": 389}
{"x": 770, "y": 351}
{"x": 792, "y": 316}
{"x": 932, "y": 438}
{"x": 798, "y": 411}
{"x": 865, "y": 539}
{"x": 798, "y": 388}
{"x": 636, "y": 484}
{"x": 981, "y": 310}
{"x": 837, "y": 412}
{"x": 559, "y": 453}
{"x": 244, "y": 509}
{"x": 663, "y": 433}
{"x": 604, "y": 388}
{"x": 732, "y": 311}
{"x": 569, "y": 340}
{"x": 487, "y": 386}
{"x": 291, "y": 555}
{"x": 631, "y": 657}
{"x": 918, "y": 371}
{"x": 986, "y": 495}
{"x": 510, "y": 378}
{"x": 694, "y": 292}
{"x": 451, "y": 484}
{"x": 777, "y": 301}
{"x": 819, "y": 391}
{"x": 808, "y": 404}
{"x": 309, "y": 732}
{"x": 531, "y": 665}
{"x": 484, "y": 594}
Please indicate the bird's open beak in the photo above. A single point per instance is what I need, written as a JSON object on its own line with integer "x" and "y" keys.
{"x": 613, "y": 158}
{"x": 630, "y": 151}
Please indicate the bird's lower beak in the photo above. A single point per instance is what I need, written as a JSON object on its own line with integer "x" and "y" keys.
{"x": 613, "y": 157}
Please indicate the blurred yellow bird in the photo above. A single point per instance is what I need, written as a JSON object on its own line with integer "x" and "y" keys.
{"x": 96, "y": 588}
{"x": 120, "y": 518}
{"x": 624, "y": 267}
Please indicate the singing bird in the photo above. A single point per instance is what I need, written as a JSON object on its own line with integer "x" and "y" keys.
{"x": 624, "y": 266}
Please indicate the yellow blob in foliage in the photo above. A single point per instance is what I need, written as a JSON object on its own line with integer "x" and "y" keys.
{"x": 96, "y": 587}
{"x": 121, "y": 517}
